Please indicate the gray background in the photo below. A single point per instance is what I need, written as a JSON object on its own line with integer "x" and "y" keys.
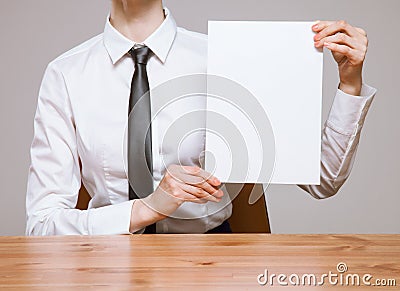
{"x": 35, "y": 32}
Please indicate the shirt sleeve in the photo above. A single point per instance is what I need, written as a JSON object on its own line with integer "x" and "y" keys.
{"x": 54, "y": 176}
{"x": 340, "y": 139}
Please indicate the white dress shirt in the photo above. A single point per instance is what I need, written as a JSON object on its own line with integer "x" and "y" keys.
{"x": 81, "y": 118}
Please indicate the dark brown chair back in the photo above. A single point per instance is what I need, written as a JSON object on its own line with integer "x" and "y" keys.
{"x": 248, "y": 218}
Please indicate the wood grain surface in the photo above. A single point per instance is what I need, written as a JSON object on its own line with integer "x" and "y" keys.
{"x": 193, "y": 262}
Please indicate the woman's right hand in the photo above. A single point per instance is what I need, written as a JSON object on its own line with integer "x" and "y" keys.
{"x": 180, "y": 184}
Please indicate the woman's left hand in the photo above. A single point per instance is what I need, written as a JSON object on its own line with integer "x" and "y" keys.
{"x": 348, "y": 45}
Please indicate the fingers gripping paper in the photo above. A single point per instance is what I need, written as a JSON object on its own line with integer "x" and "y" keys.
{"x": 264, "y": 103}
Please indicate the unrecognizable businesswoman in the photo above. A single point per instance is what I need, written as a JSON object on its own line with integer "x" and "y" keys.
{"x": 82, "y": 113}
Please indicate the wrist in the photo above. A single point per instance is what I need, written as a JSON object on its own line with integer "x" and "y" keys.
{"x": 351, "y": 81}
{"x": 142, "y": 215}
{"x": 352, "y": 88}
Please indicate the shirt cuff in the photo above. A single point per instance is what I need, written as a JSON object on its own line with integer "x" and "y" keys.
{"x": 112, "y": 219}
{"x": 348, "y": 112}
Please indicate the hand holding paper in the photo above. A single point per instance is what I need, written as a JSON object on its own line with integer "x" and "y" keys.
{"x": 349, "y": 46}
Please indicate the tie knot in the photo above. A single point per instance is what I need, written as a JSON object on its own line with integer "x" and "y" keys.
{"x": 140, "y": 55}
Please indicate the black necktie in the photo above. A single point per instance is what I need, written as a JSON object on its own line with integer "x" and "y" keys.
{"x": 140, "y": 167}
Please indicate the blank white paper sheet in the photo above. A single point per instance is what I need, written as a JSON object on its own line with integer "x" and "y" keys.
{"x": 264, "y": 102}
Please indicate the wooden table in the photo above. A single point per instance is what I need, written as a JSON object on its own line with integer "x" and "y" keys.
{"x": 191, "y": 262}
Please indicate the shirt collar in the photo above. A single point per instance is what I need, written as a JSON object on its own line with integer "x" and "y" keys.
{"x": 160, "y": 41}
